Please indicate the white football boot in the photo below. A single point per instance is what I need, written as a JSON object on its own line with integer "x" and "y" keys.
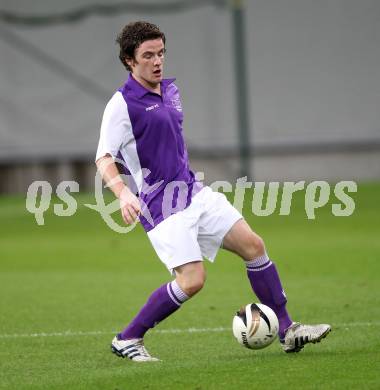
{"x": 133, "y": 349}
{"x": 297, "y": 335}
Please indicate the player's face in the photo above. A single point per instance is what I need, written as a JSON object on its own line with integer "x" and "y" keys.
{"x": 147, "y": 66}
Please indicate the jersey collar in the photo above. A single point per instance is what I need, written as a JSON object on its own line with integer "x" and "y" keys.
{"x": 141, "y": 91}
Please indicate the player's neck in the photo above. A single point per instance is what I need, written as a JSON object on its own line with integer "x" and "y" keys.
{"x": 155, "y": 88}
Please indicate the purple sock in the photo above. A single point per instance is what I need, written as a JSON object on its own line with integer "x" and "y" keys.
{"x": 266, "y": 284}
{"x": 163, "y": 302}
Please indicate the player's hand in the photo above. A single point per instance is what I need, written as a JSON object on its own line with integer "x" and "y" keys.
{"x": 129, "y": 206}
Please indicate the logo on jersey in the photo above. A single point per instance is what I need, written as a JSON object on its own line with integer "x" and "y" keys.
{"x": 150, "y": 108}
{"x": 177, "y": 104}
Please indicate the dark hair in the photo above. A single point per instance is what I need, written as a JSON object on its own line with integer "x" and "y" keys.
{"x": 133, "y": 35}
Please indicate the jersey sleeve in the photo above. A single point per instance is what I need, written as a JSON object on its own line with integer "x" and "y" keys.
{"x": 116, "y": 127}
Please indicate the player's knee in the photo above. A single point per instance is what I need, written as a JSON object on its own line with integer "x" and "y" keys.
{"x": 259, "y": 245}
{"x": 256, "y": 247}
{"x": 194, "y": 287}
{"x": 194, "y": 283}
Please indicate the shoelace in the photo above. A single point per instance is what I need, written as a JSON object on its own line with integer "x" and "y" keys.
{"x": 298, "y": 325}
{"x": 295, "y": 325}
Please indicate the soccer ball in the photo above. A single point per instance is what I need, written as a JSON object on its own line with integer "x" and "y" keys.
{"x": 255, "y": 326}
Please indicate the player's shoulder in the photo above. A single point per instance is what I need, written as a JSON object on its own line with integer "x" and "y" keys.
{"x": 172, "y": 87}
{"x": 116, "y": 103}
{"x": 116, "y": 100}
{"x": 116, "y": 108}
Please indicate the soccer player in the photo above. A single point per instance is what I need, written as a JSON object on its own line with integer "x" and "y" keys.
{"x": 184, "y": 220}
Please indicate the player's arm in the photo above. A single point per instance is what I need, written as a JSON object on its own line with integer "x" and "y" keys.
{"x": 129, "y": 204}
{"x": 116, "y": 131}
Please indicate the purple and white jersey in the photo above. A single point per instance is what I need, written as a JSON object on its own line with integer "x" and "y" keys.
{"x": 144, "y": 131}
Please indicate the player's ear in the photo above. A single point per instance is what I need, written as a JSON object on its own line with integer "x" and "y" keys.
{"x": 130, "y": 62}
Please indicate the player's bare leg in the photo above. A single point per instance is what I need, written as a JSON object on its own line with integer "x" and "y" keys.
{"x": 266, "y": 284}
{"x": 191, "y": 277}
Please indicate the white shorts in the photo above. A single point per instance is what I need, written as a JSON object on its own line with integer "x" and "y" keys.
{"x": 196, "y": 232}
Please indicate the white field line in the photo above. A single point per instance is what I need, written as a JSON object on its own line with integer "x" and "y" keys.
{"x": 164, "y": 331}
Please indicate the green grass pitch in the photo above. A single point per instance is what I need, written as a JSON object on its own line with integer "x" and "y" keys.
{"x": 68, "y": 286}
